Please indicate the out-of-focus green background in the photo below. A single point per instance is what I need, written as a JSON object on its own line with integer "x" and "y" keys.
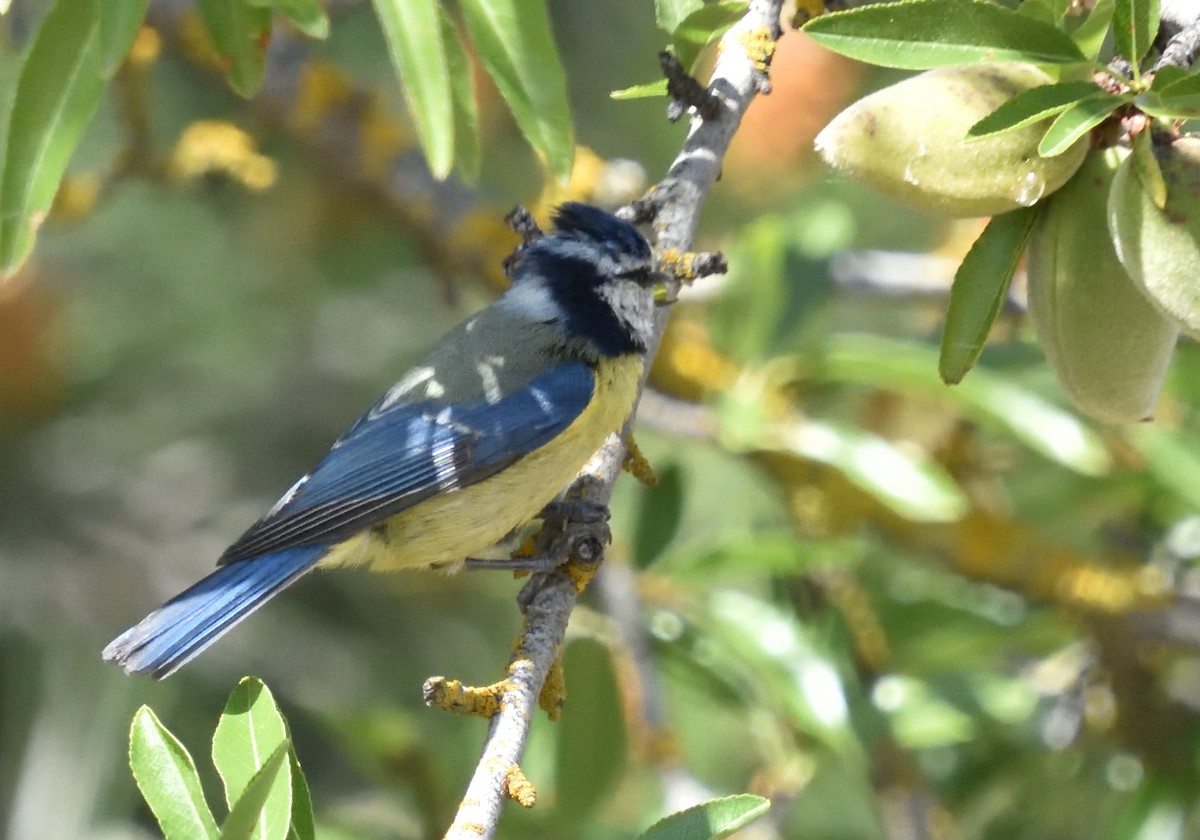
{"x": 898, "y": 610}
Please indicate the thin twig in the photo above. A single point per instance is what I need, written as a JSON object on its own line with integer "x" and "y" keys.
{"x": 675, "y": 204}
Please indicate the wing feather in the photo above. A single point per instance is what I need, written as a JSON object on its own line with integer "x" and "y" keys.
{"x": 394, "y": 457}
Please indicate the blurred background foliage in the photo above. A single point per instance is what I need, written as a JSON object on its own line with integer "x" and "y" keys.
{"x": 898, "y": 610}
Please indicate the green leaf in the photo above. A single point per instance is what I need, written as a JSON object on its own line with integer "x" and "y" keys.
{"x": 1172, "y": 458}
{"x": 57, "y": 91}
{"x": 1145, "y": 164}
{"x": 702, "y": 27}
{"x": 260, "y": 811}
{"x": 907, "y": 481}
{"x": 1031, "y": 106}
{"x": 985, "y": 397}
{"x": 1077, "y": 121}
{"x": 167, "y": 778}
{"x": 466, "y": 119}
{"x": 309, "y": 16}
{"x": 250, "y": 730}
{"x": 591, "y": 750}
{"x": 709, "y": 821}
{"x": 785, "y": 661}
{"x": 413, "y": 31}
{"x": 645, "y": 91}
{"x": 240, "y": 32}
{"x": 980, "y": 286}
{"x": 669, "y": 13}
{"x": 1135, "y": 26}
{"x": 1170, "y": 75}
{"x": 920, "y": 34}
{"x": 1177, "y": 97}
{"x": 771, "y": 553}
{"x": 515, "y": 44}
{"x": 1089, "y": 36}
{"x": 303, "y": 825}
{"x": 119, "y": 23}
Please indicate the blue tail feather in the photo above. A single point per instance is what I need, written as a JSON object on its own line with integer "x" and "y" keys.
{"x": 194, "y": 619}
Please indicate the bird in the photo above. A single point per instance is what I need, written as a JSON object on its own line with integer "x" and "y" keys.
{"x": 480, "y": 435}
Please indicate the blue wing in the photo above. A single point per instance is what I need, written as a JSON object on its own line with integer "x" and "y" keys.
{"x": 398, "y": 455}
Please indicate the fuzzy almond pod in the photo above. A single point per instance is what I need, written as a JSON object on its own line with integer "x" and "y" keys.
{"x": 1161, "y": 248}
{"x": 1108, "y": 346}
{"x": 909, "y": 142}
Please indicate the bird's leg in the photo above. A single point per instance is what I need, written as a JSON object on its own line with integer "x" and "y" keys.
{"x": 570, "y": 528}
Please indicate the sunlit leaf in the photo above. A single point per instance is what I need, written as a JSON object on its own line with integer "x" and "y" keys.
{"x": 466, "y": 118}
{"x": 591, "y": 751}
{"x": 669, "y": 13}
{"x": 413, "y": 29}
{"x": 1145, "y": 164}
{"x": 57, "y": 91}
{"x": 1135, "y": 25}
{"x": 250, "y": 730}
{"x": 909, "y": 482}
{"x": 260, "y": 812}
{"x": 309, "y": 16}
{"x": 240, "y": 33}
{"x": 645, "y": 91}
{"x": 515, "y": 44}
{"x": 984, "y": 396}
{"x": 1077, "y": 121}
{"x": 921, "y": 34}
{"x": 785, "y": 663}
{"x": 1031, "y": 106}
{"x": 1090, "y": 35}
{"x": 166, "y": 776}
{"x": 119, "y": 23}
{"x": 303, "y": 826}
{"x": 711, "y": 820}
{"x": 980, "y": 287}
{"x": 702, "y": 27}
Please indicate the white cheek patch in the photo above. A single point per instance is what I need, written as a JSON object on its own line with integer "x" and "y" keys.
{"x": 533, "y": 301}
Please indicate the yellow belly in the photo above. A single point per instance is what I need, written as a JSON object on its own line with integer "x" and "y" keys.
{"x": 464, "y": 523}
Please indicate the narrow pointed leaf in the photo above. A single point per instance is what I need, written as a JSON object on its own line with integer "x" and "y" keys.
{"x": 309, "y": 16}
{"x": 713, "y": 819}
{"x": 1090, "y": 34}
{"x": 240, "y": 32}
{"x": 702, "y": 27}
{"x": 646, "y": 91}
{"x": 669, "y": 13}
{"x": 57, "y": 91}
{"x": 261, "y": 812}
{"x": 1135, "y": 25}
{"x": 1172, "y": 96}
{"x": 413, "y": 30}
{"x": 249, "y": 731}
{"x": 466, "y": 119}
{"x": 980, "y": 286}
{"x": 167, "y": 778}
{"x": 515, "y": 44}
{"x": 1078, "y": 120}
{"x": 119, "y": 23}
{"x": 985, "y": 397}
{"x": 920, "y": 34}
{"x": 1032, "y": 106}
{"x": 303, "y": 824}
{"x": 1145, "y": 164}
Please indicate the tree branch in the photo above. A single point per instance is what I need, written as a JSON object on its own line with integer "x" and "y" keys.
{"x": 673, "y": 206}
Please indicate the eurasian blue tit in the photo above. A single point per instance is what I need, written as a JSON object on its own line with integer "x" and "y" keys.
{"x": 473, "y": 442}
